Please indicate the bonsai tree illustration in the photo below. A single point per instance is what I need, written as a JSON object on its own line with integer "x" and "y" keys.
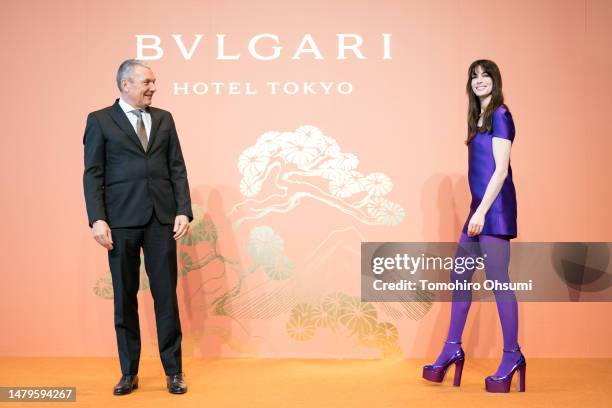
{"x": 307, "y": 164}
{"x": 280, "y": 171}
{"x": 203, "y": 231}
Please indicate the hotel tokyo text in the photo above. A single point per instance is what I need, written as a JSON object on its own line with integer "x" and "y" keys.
{"x": 269, "y": 87}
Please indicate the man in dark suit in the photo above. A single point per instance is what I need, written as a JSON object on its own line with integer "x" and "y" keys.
{"x": 137, "y": 196}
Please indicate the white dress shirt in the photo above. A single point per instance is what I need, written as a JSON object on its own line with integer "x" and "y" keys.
{"x": 146, "y": 117}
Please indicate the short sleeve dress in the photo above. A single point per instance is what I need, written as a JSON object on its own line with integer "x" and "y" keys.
{"x": 501, "y": 217}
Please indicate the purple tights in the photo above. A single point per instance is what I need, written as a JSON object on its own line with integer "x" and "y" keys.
{"x": 497, "y": 250}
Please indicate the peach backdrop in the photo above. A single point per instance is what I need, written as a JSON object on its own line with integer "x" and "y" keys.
{"x": 405, "y": 118}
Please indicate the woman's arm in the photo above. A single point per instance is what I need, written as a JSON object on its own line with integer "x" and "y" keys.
{"x": 501, "y": 154}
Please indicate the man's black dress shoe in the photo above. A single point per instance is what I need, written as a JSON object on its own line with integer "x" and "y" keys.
{"x": 126, "y": 384}
{"x": 176, "y": 384}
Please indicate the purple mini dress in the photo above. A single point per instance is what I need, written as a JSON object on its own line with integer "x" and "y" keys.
{"x": 501, "y": 217}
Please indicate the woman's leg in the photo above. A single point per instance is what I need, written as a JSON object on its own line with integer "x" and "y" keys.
{"x": 462, "y": 299}
{"x": 497, "y": 250}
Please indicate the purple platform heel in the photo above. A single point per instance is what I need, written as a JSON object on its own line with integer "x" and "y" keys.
{"x": 502, "y": 383}
{"x": 436, "y": 373}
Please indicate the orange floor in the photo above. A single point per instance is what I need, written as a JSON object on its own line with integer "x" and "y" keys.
{"x": 314, "y": 383}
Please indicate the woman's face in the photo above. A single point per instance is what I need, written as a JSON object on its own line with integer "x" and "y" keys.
{"x": 482, "y": 83}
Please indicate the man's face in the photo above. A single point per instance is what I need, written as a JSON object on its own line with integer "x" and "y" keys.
{"x": 139, "y": 86}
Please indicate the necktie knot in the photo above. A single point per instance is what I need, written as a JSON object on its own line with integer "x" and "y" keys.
{"x": 137, "y": 112}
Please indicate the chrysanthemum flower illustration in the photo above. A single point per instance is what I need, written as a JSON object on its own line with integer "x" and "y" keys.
{"x": 331, "y": 169}
{"x": 368, "y": 339}
{"x": 377, "y": 184}
{"x": 303, "y": 309}
{"x": 346, "y": 161}
{"x": 280, "y": 269}
{"x": 391, "y": 214}
{"x": 344, "y": 185}
{"x": 359, "y": 317}
{"x": 376, "y": 206}
{"x": 264, "y": 245}
{"x": 391, "y": 350}
{"x": 301, "y": 324}
{"x": 386, "y": 212}
{"x": 334, "y": 301}
{"x": 324, "y": 316}
{"x": 253, "y": 161}
{"x": 298, "y": 148}
{"x": 330, "y": 147}
{"x": 250, "y": 187}
{"x": 386, "y": 334}
{"x": 312, "y": 133}
{"x": 104, "y": 287}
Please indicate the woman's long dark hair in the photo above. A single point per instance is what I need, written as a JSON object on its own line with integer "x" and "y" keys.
{"x": 497, "y": 98}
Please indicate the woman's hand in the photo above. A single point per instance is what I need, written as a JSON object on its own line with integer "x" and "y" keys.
{"x": 476, "y": 224}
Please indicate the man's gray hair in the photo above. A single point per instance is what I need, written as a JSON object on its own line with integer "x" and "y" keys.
{"x": 125, "y": 69}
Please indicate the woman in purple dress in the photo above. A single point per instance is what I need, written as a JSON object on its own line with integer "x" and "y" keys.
{"x": 489, "y": 227}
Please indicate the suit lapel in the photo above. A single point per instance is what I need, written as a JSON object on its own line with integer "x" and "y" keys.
{"x": 122, "y": 121}
{"x": 155, "y": 119}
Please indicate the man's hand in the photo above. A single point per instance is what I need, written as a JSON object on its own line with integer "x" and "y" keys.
{"x": 181, "y": 226}
{"x": 102, "y": 233}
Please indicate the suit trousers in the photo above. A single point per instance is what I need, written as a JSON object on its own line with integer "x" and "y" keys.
{"x": 160, "y": 260}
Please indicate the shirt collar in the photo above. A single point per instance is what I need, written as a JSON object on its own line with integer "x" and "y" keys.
{"x": 127, "y": 107}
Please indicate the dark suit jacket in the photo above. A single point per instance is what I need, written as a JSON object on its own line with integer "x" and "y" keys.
{"x": 122, "y": 183}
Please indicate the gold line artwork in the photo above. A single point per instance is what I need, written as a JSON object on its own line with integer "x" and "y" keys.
{"x": 280, "y": 171}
